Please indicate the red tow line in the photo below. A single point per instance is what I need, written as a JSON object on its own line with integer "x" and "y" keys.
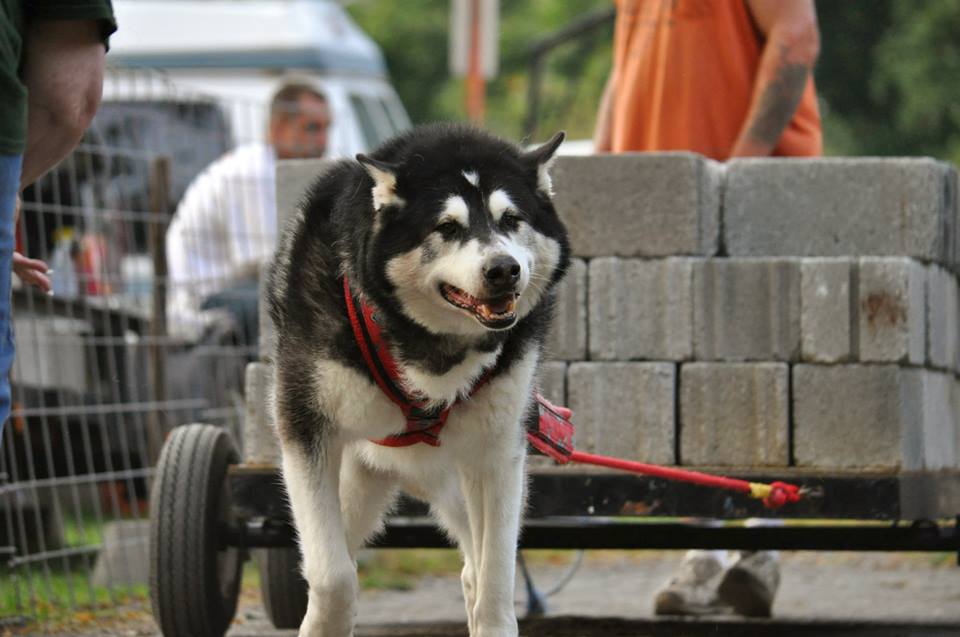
{"x": 553, "y": 435}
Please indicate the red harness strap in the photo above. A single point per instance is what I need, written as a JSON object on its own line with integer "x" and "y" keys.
{"x": 423, "y": 424}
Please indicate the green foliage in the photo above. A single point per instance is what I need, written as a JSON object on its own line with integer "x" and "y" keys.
{"x": 886, "y": 77}
{"x": 413, "y": 36}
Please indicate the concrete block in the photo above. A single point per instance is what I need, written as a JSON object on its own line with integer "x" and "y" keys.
{"x": 828, "y": 310}
{"x": 837, "y": 207}
{"x": 857, "y": 417}
{"x": 641, "y": 309}
{"x": 553, "y": 382}
{"x": 639, "y": 204}
{"x": 734, "y": 414}
{"x": 746, "y": 309}
{"x": 943, "y": 319}
{"x": 293, "y": 178}
{"x": 939, "y": 420}
{"x": 567, "y": 338}
{"x": 624, "y": 409}
{"x": 260, "y": 444}
{"x": 124, "y": 558}
{"x": 891, "y": 325}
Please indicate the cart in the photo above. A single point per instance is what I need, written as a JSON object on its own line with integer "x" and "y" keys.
{"x": 215, "y": 505}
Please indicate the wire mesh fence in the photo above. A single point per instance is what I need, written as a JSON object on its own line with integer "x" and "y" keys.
{"x": 134, "y": 340}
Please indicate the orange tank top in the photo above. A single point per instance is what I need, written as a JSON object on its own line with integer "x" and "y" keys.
{"x": 683, "y": 77}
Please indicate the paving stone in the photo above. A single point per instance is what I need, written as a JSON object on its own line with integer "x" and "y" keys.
{"x": 553, "y": 382}
{"x": 746, "y": 309}
{"x": 639, "y": 204}
{"x": 838, "y": 207}
{"x": 641, "y": 309}
{"x": 857, "y": 417}
{"x": 567, "y": 338}
{"x": 828, "y": 310}
{"x": 939, "y": 420}
{"x": 891, "y": 325}
{"x": 260, "y": 445}
{"x": 943, "y": 319}
{"x": 734, "y": 414}
{"x": 624, "y": 409}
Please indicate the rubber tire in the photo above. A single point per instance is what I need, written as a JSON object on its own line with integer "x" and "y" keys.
{"x": 282, "y": 587}
{"x": 194, "y": 581}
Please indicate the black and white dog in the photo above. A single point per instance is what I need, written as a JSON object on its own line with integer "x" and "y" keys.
{"x": 414, "y": 287}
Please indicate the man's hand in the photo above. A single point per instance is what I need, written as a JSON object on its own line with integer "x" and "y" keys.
{"x": 791, "y": 47}
{"x": 32, "y": 272}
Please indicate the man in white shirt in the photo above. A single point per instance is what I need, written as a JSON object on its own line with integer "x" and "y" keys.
{"x": 225, "y": 227}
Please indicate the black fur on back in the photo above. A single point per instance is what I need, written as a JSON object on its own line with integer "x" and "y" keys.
{"x": 336, "y": 234}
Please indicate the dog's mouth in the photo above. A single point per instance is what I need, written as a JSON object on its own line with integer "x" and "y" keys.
{"x": 496, "y": 313}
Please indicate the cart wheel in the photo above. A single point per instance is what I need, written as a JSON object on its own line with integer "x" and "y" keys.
{"x": 194, "y": 580}
{"x": 282, "y": 587}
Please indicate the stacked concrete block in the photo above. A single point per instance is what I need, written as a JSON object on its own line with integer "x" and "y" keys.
{"x": 640, "y": 205}
{"x": 624, "y": 409}
{"x": 641, "y": 309}
{"x": 839, "y": 207}
{"x": 943, "y": 319}
{"x": 892, "y": 326}
{"x": 829, "y": 331}
{"x": 734, "y": 414}
{"x": 567, "y": 339}
{"x": 939, "y": 421}
{"x": 746, "y": 309}
{"x": 552, "y": 383}
{"x": 858, "y": 417}
{"x": 260, "y": 444}
{"x": 761, "y": 313}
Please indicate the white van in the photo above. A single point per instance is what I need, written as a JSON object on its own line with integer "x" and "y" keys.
{"x": 241, "y": 51}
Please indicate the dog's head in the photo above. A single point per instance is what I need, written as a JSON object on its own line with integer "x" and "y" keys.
{"x": 465, "y": 239}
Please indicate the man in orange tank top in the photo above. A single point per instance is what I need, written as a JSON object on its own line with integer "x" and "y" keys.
{"x": 724, "y": 78}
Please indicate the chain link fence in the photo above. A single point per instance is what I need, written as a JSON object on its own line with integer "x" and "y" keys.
{"x": 110, "y": 362}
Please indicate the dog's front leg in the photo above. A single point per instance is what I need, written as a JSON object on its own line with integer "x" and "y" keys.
{"x": 313, "y": 486}
{"x": 494, "y": 497}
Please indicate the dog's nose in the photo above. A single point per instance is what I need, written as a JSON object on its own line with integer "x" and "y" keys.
{"x": 501, "y": 273}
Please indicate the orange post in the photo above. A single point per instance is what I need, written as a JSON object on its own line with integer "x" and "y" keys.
{"x": 476, "y": 85}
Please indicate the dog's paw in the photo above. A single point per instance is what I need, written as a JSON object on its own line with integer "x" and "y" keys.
{"x": 331, "y": 608}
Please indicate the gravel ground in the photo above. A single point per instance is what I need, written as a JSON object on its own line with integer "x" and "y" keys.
{"x": 821, "y": 593}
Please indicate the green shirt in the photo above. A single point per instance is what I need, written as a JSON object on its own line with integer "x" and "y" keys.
{"x": 14, "y": 15}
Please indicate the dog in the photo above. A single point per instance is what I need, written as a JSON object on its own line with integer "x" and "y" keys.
{"x": 445, "y": 241}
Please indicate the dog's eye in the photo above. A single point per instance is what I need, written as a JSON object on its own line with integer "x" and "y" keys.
{"x": 510, "y": 221}
{"x": 448, "y": 229}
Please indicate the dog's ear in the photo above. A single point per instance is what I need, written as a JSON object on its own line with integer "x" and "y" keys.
{"x": 540, "y": 159}
{"x": 384, "y": 177}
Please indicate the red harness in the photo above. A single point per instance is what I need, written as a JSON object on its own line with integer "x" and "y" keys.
{"x": 551, "y": 434}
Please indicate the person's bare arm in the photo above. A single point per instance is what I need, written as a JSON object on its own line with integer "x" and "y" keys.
{"x": 791, "y": 47}
{"x": 602, "y": 135}
{"x": 63, "y": 71}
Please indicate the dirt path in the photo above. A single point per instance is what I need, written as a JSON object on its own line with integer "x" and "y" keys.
{"x": 911, "y": 589}
{"x": 821, "y": 593}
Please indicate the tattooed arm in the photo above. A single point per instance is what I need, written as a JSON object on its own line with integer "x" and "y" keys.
{"x": 790, "y": 49}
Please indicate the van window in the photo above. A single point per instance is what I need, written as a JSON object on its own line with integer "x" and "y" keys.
{"x": 371, "y": 137}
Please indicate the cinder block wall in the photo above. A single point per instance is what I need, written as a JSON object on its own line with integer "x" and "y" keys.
{"x": 761, "y": 313}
